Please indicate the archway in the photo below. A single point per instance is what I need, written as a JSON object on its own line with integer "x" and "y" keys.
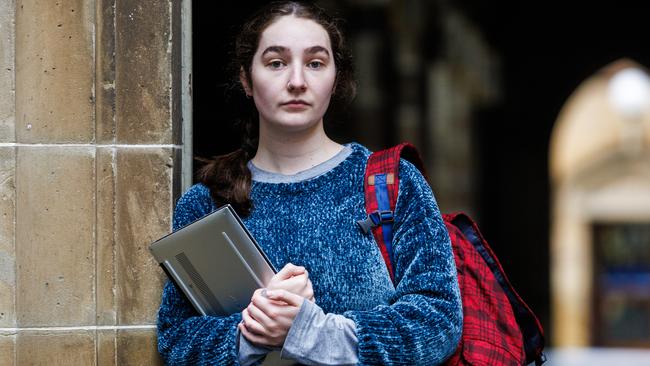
{"x": 600, "y": 178}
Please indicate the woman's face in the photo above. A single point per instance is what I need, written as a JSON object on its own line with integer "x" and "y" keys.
{"x": 293, "y": 74}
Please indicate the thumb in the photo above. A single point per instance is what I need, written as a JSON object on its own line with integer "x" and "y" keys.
{"x": 286, "y": 296}
{"x": 289, "y": 271}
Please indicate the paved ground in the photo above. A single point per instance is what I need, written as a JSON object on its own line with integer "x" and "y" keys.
{"x": 597, "y": 357}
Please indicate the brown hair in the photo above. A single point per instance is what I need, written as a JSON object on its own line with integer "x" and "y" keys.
{"x": 227, "y": 176}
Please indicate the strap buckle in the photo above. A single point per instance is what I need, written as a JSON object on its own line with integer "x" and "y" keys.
{"x": 375, "y": 219}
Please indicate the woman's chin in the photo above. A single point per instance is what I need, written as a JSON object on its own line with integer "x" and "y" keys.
{"x": 294, "y": 125}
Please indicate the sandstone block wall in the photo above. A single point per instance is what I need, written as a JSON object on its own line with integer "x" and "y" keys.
{"x": 89, "y": 171}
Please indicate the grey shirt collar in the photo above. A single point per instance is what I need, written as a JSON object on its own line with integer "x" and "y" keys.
{"x": 264, "y": 176}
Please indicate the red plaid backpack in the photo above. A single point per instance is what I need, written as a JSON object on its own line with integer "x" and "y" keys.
{"x": 498, "y": 327}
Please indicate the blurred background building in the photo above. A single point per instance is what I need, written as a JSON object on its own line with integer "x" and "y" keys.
{"x": 533, "y": 118}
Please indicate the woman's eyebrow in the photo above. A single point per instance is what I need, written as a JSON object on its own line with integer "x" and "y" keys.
{"x": 276, "y": 49}
{"x": 317, "y": 49}
{"x": 283, "y": 50}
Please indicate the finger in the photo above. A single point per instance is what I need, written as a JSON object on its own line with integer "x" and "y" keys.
{"x": 272, "y": 309}
{"x": 260, "y": 292}
{"x": 308, "y": 292}
{"x": 252, "y": 325}
{"x": 299, "y": 285}
{"x": 253, "y": 338}
{"x": 294, "y": 284}
{"x": 289, "y": 271}
{"x": 258, "y": 315}
{"x": 286, "y": 296}
{"x": 304, "y": 286}
{"x": 260, "y": 297}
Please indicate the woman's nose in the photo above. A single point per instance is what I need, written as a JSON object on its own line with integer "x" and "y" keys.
{"x": 296, "y": 80}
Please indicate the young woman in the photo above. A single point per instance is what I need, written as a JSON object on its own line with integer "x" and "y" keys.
{"x": 301, "y": 194}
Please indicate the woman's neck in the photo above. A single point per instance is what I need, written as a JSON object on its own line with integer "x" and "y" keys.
{"x": 290, "y": 153}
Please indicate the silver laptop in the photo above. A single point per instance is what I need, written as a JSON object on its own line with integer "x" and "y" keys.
{"x": 215, "y": 261}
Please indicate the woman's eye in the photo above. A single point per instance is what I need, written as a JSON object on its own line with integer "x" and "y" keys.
{"x": 276, "y": 64}
{"x": 315, "y": 65}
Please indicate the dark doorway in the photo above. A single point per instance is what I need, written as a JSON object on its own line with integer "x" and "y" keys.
{"x": 214, "y": 26}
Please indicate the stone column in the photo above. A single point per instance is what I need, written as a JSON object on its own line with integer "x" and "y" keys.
{"x": 89, "y": 173}
{"x": 7, "y": 187}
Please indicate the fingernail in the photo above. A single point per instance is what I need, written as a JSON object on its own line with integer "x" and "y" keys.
{"x": 264, "y": 293}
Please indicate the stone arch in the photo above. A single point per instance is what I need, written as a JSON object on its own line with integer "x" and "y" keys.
{"x": 595, "y": 177}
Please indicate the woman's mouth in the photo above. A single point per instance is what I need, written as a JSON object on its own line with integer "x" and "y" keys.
{"x": 296, "y": 104}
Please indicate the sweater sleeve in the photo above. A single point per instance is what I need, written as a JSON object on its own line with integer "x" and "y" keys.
{"x": 423, "y": 323}
{"x": 184, "y": 336}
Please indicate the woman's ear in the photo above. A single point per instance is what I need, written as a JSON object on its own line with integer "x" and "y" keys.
{"x": 243, "y": 79}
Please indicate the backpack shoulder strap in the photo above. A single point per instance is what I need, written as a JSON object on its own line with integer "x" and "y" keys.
{"x": 381, "y": 187}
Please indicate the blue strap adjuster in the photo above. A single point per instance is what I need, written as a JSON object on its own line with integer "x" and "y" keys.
{"x": 375, "y": 219}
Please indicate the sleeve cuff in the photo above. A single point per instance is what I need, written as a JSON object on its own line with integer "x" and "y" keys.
{"x": 316, "y": 338}
{"x": 249, "y": 353}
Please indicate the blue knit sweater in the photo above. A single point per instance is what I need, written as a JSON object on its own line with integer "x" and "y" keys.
{"x": 312, "y": 223}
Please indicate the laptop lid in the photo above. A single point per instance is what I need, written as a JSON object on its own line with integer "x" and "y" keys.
{"x": 215, "y": 261}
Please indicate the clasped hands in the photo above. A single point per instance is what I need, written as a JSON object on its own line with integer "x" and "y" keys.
{"x": 269, "y": 316}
